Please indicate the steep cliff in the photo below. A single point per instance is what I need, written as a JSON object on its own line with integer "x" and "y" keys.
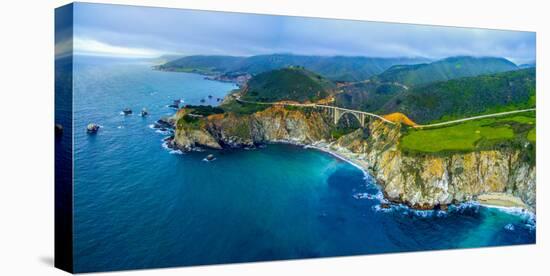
{"x": 429, "y": 180}
{"x": 423, "y": 181}
{"x": 275, "y": 124}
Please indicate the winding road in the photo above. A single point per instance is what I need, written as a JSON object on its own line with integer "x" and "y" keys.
{"x": 384, "y": 119}
{"x": 330, "y": 107}
{"x": 475, "y": 118}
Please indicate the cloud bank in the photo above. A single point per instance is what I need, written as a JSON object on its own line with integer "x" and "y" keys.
{"x": 147, "y": 32}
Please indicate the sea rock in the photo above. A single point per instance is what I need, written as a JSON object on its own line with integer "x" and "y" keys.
{"x": 92, "y": 128}
{"x": 144, "y": 112}
{"x": 164, "y": 123}
{"x": 58, "y": 129}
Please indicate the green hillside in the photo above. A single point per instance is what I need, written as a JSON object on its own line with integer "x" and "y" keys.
{"x": 445, "y": 69}
{"x": 367, "y": 96}
{"x": 293, "y": 83}
{"x": 466, "y": 97}
{"x": 336, "y": 68}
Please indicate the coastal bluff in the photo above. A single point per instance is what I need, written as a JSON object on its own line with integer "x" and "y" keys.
{"x": 502, "y": 176}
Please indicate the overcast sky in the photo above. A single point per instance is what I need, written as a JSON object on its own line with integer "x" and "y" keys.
{"x": 148, "y": 32}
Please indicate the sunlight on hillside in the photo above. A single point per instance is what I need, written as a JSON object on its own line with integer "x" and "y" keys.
{"x": 398, "y": 117}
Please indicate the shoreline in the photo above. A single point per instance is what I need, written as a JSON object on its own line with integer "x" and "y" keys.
{"x": 501, "y": 201}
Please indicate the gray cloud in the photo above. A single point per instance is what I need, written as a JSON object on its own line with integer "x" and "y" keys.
{"x": 202, "y": 32}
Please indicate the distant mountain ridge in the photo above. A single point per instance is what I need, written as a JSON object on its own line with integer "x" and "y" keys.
{"x": 335, "y": 68}
{"x": 445, "y": 69}
{"x": 448, "y": 88}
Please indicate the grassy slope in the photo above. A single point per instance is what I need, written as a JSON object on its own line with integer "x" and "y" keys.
{"x": 367, "y": 96}
{"x": 472, "y": 135}
{"x": 296, "y": 84}
{"x": 465, "y": 97}
{"x": 242, "y": 108}
{"x": 445, "y": 69}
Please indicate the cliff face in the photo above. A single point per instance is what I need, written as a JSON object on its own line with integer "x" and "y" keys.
{"x": 275, "y": 124}
{"x": 421, "y": 181}
{"x": 425, "y": 181}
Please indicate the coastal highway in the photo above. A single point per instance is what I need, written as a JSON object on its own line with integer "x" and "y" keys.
{"x": 343, "y": 110}
{"x": 475, "y": 118}
{"x": 386, "y": 120}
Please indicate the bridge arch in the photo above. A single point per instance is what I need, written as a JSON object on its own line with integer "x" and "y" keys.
{"x": 338, "y": 114}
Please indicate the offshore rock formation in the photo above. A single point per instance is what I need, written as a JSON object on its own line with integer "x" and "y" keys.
{"x": 422, "y": 181}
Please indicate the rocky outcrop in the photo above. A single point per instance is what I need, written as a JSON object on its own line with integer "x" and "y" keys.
{"x": 187, "y": 139}
{"x": 423, "y": 181}
{"x": 430, "y": 180}
{"x": 276, "y": 124}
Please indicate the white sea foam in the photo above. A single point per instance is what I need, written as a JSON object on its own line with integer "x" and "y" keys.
{"x": 509, "y": 227}
{"x": 379, "y": 195}
{"x": 531, "y": 226}
{"x": 163, "y": 132}
{"x": 529, "y": 216}
{"x": 171, "y": 150}
{"x": 441, "y": 213}
{"x": 362, "y": 196}
{"x": 377, "y": 208}
{"x": 335, "y": 154}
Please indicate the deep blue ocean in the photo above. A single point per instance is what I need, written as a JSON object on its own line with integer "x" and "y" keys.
{"x": 139, "y": 205}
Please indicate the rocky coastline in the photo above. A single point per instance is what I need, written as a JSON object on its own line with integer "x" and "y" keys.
{"x": 499, "y": 177}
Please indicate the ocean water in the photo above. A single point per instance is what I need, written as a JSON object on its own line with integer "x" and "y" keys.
{"x": 139, "y": 205}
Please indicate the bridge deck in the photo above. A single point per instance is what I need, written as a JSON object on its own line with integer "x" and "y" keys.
{"x": 321, "y": 106}
{"x": 357, "y": 112}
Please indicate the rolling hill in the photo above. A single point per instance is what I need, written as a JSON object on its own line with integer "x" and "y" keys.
{"x": 335, "y": 68}
{"x": 445, "y": 69}
{"x": 367, "y": 96}
{"x": 466, "y": 96}
{"x": 292, "y": 83}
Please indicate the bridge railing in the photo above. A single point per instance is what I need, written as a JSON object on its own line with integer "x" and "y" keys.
{"x": 320, "y": 105}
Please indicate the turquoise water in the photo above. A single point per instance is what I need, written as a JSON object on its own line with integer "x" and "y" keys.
{"x": 139, "y": 205}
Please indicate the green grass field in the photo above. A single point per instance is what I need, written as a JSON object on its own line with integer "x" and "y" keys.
{"x": 531, "y": 136}
{"x": 242, "y": 108}
{"x": 471, "y": 135}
